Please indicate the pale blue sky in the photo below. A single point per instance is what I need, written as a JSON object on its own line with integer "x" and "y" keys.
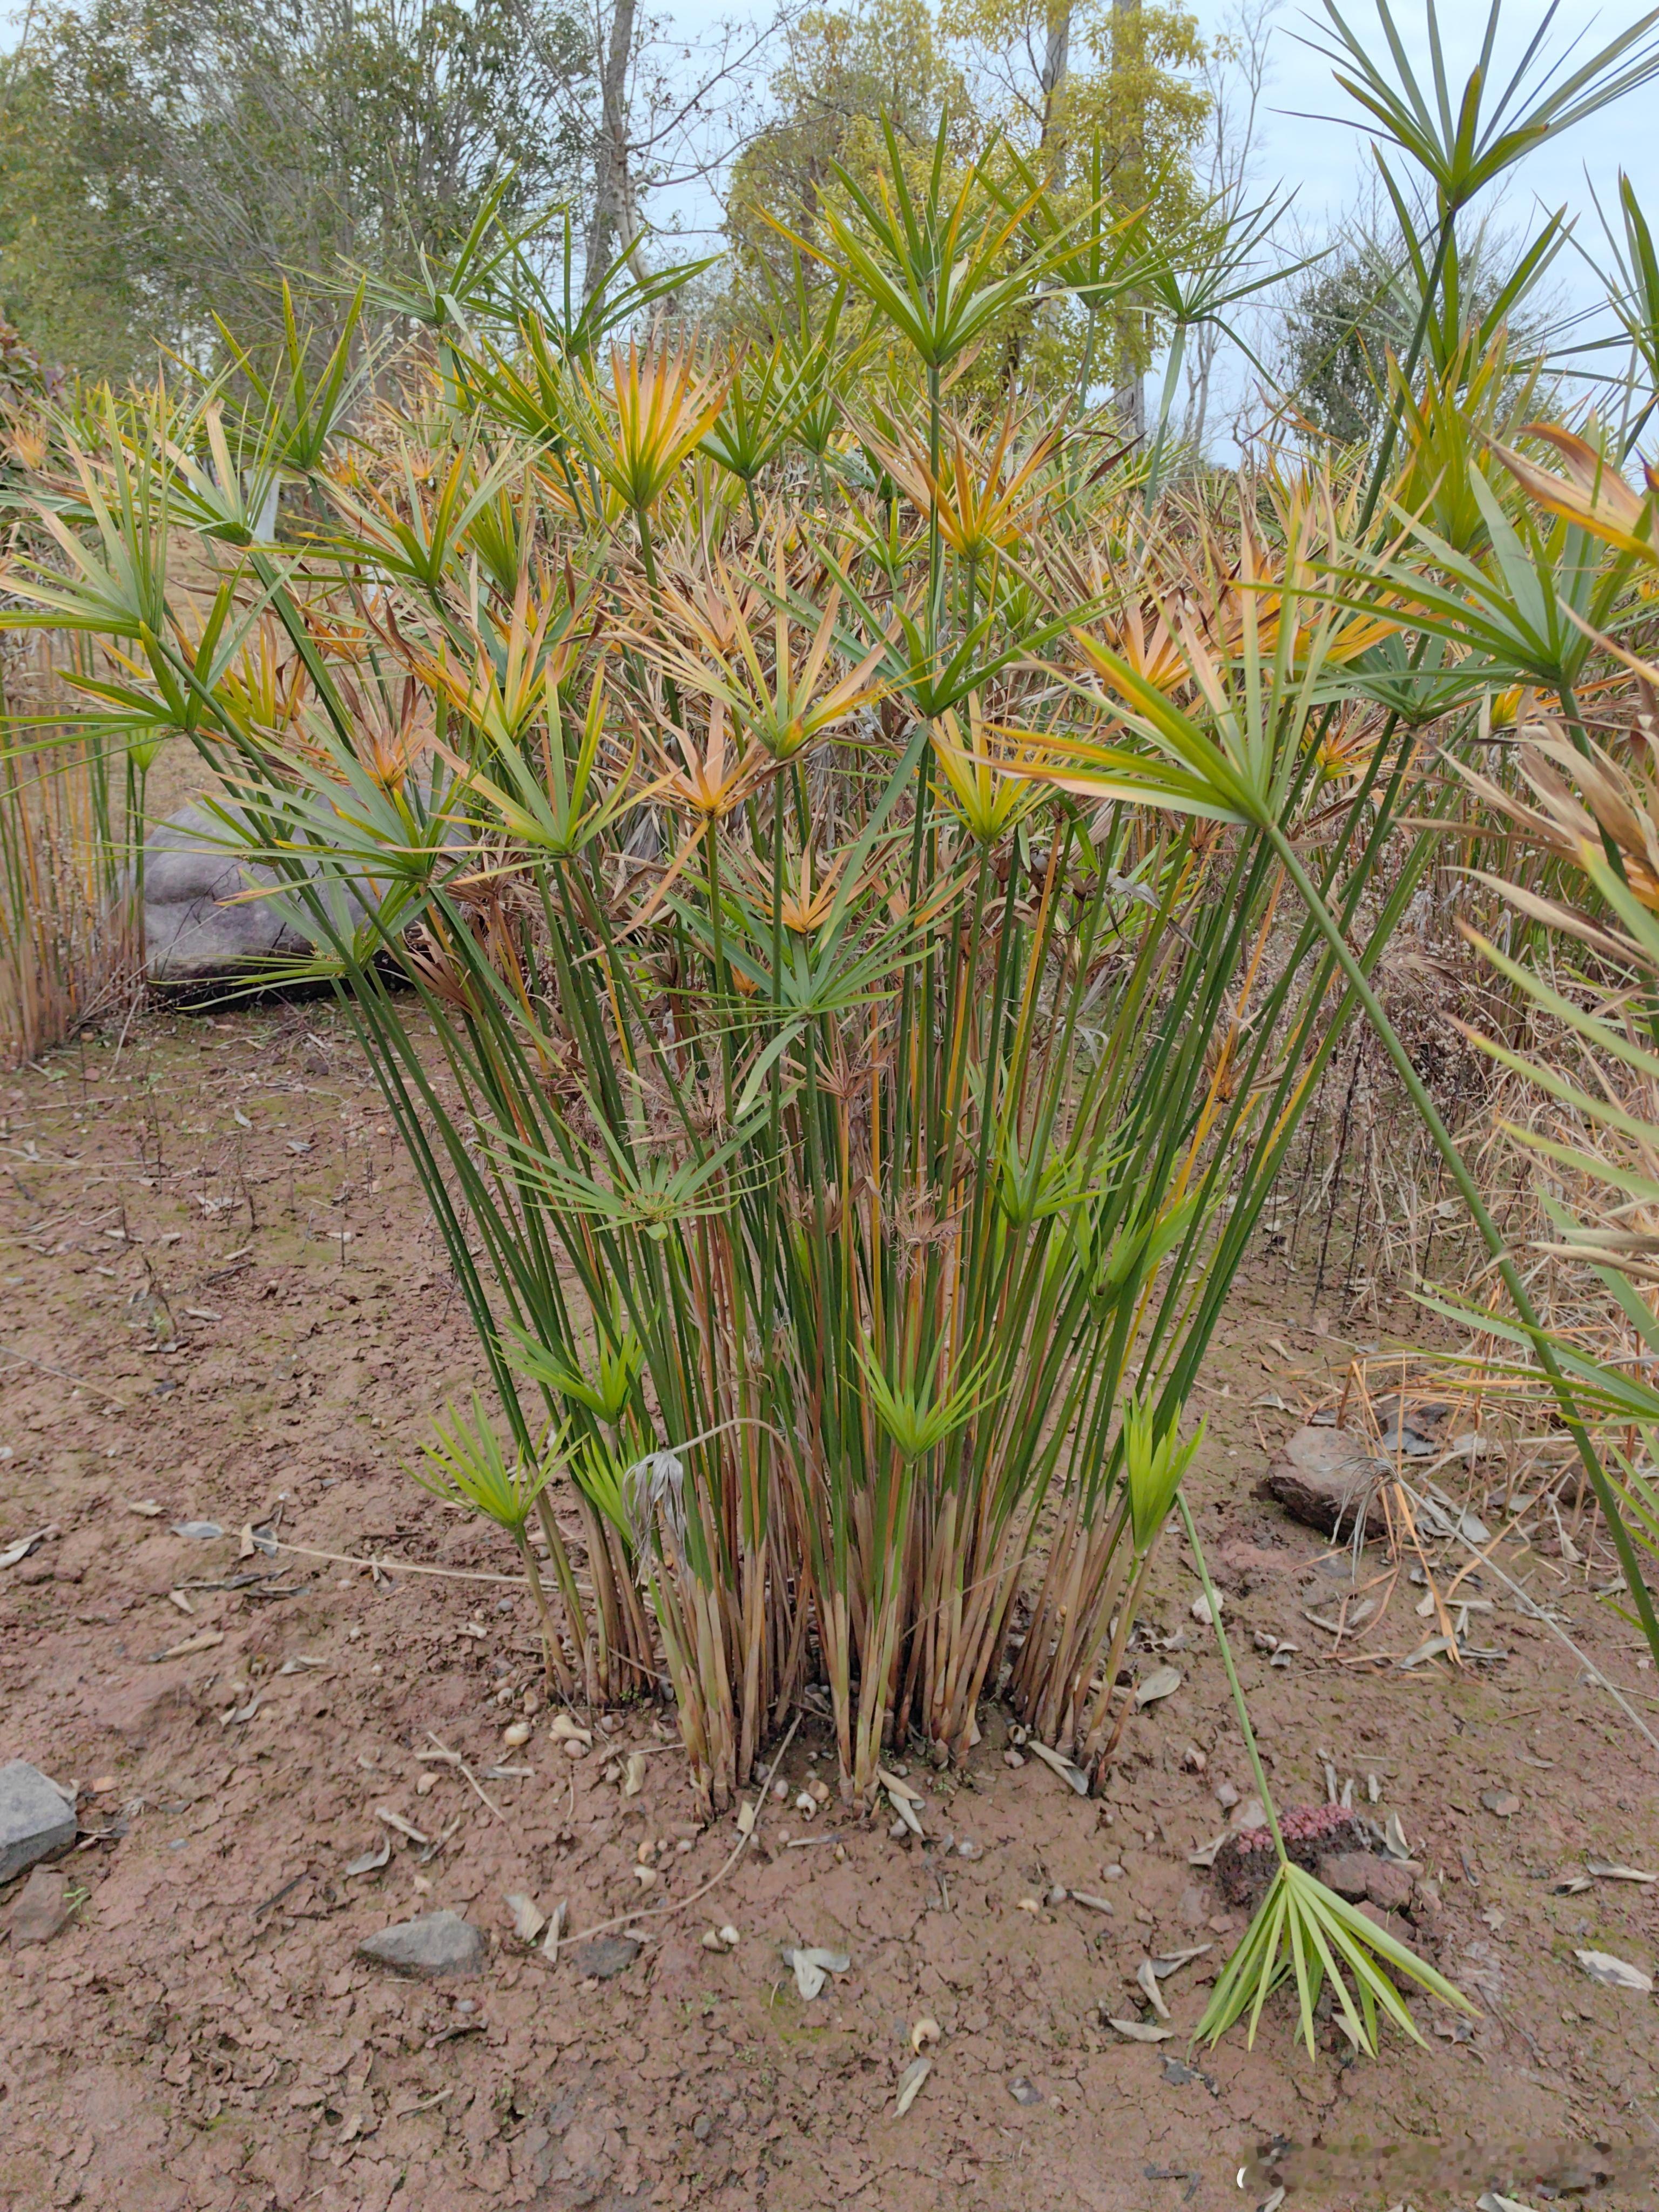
{"x": 1325, "y": 159}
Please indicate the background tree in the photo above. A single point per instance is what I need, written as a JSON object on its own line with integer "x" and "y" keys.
{"x": 1341, "y": 319}
{"x": 157, "y": 156}
{"x": 843, "y": 70}
{"x": 1058, "y": 77}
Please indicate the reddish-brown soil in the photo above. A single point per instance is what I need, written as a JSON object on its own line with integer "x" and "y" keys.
{"x": 201, "y": 2037}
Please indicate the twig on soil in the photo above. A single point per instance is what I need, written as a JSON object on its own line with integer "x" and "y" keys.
{"x": 383, "y": 1565}
{"x": 46, "y": 1368}
{"x": 473, "y": 1778}
{"x": 661, "y": 1912}
{"x": 1535, "y": 1612}
{"x": 259, "y": 1911}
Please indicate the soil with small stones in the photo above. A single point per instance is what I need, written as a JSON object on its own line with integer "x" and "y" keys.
{"x": 223, "y": 1299}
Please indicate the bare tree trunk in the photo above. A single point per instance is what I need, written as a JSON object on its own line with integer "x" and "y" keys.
{"x": 1129, "y": 399}
{"x": 1056, "y": 67}
{"x": 615, "y": 223}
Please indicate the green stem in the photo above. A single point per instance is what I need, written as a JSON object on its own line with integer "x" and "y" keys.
{"x": 1214, "y": 1604}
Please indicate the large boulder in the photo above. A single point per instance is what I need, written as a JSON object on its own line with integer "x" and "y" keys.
{"x": 200, "y": 924}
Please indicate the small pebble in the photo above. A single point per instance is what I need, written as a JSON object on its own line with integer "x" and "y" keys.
{"x": 1013, "y": 1759}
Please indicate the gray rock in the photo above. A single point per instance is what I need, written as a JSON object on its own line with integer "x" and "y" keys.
{"x": 199, "y": 924}
{"x": 36, "y": 1821}
{"x": 42, "y": 1910}
{"x": 603, "y": 1957}
{"x": 436, "y": 1943}
{"x": 1325, "y": 1477}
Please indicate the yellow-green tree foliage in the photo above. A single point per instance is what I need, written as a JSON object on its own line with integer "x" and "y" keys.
{"x": 1060, "y": 80}
{"x": 843, "y": 71}
{"x": 1052, "y": 82}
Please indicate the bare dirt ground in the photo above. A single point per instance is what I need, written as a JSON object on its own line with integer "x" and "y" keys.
{"x": 221, "y": 1298}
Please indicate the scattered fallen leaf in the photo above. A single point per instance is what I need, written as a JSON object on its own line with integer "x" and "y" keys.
{"x": 1491, "y": 2201}
{"x": 14, "y": 1553}
{"x": 1163, "y": 1682}
{"x": 147, "y": 1506}
{"x": 896, "y": 1786}
{"x": 1146, "y": 1976}
{"x": 182, "y": 1602}
{"x": 1140, "y": 2031}
{"x": 1604, "y": 1870}
{"x": 632, "y": 1779}
{"x": 237, "y": 1714}
{"x": 1502, "y": 1804}
{"x": 812, "y": 1967}
{"x": 1572, "y": 1884}
{"x": 1394, "y": 1838}
{"x": 557, "y": 1923}
{"x": 1087, "y": 1897}
{"x": 528, "y": 1921}
{"x": 301, "y": 1662}
{"x": 1024, "y": 2092}
{"x": 1072, "y": 1776}
{"x": 746, "y": 1818}
{"x": 1617, "y": 1973}
{"x": 371, "y": 1861}
{"x": 1200, "y": 1609}
{"x": 204, "y": 1640}
{"x": 199, "y": 1532}
{"x": 910, "y": 2083}
{"x": 905, "y": 1806}
{"x": 1432, "y": 1649}
{"x": 403, "y": 1827}
{"x": 1203, "y": 1855}
{"x": 1170, "y": 1962}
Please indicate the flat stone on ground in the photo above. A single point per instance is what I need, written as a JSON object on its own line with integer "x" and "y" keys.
{"x": 604, "y": 1957}
{"x": 41, "y": 1909}
{"x": 36, "y": 1821}
{"x": 436, "y": 1943}
{"x": 1389, "y": 1885}
{"x": 1359, "y": 1875}
{"x": 1348, "y": 1873}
